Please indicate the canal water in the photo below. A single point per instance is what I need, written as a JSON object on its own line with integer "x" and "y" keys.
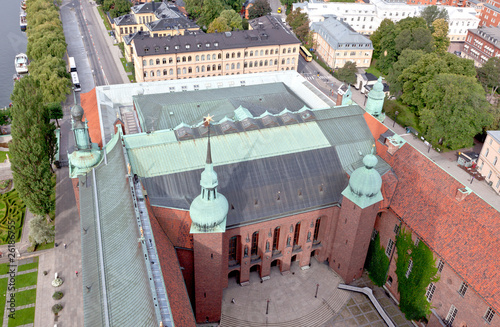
{"x": 12, "y": 41}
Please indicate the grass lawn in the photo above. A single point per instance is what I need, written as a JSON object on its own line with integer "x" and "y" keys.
{"x": 104, "y": 18}
{"x": 125, "y": 66}
{"x": 45, "y": 246}
{"x": 28, "y": 266}
{"x": 373, "y": 70}
{"x": 3, "y": 290}
{"x": 26, "y": 280}
{"x": 25, "y": 297}
{"x": 14, "y": 210}
{"x": 23, "y": 317}
{"x": 4, "y": 267}
{"x": 3, "y": 155}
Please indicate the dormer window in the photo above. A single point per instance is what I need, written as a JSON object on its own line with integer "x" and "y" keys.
{"x": 207, "y": 45}
{"x": 216, "y": 44}
{"x": 157, "y": 49}
{"x": 166, "y": 48}
{"x": 199, "y": 45}
{"x": 146, "y": 50}
{"x": 188, "y": 46}
{"x": 176, "y": 47}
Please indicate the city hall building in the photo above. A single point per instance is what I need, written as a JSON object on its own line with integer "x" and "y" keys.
{"x": 182, "y": 185}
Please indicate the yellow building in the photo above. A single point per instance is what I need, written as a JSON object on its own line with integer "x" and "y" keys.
{"x": 337, "y": 43}
{"x": 268, "y": 46}
{"x": 488, "y": 162}
{"x": 154, "y": 19}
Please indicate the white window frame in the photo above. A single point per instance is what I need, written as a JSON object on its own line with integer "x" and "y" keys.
{"x": 488, "y": 316}
{"x": 430, "y": 292}
{"x": 390, "y": 245}
{"x": 463, "y": 289}
{"x": 452, "y": 314}
{"x": 410, "y": 268}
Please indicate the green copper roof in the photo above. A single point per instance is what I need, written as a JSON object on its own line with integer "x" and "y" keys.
{"x": 376, "y": 98}
{"x": 166, "y": 158}
{"x": 128, "y": 296}
{"x": 365, "y": 184}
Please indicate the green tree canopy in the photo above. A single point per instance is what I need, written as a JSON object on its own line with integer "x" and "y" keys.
{"x": 5, "y": 116}
{"x": 414, "y": 39}
{"x": 210, "y": 10}
{"x": 259, "y": 8}
{"x": 440, "y": 35}
{"x": 489, "y": 75}
{"x": 33, "y": 146}
{"x": 386, "y": 29}
{"x": 233, "y": 19}
{"x": 236, "y": 5}
{"x": 55, "y": 111}
{"x": 193, "y": 8}
{"x": 347, "y": 74}
{"x": 120, "y": 7}
{"x": 40, "y": 231}
{"x": 405, "y": 60}
{"x": 456, "y": 110}
{"x": 377, "y": 262}
{"x": 45, "y": 40}
{"x": 53, "y": 77}
{"x": 218, "y": 25}
{"x": 431, "y": 13}
{"x": 299, "y": 22}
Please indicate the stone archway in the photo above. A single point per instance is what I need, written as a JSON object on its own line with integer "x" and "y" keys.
{"x": 276, "y": 265}
{"x": 255, "y": 273}
{"x": 233, "y": 277}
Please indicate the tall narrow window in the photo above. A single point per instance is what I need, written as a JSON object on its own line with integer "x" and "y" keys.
{"x": 232, "y": 248}
{"x": 488, "y": 316}
{"x": 463, "y": 289}
{"x": 316, "y": 229}
{"x": 410, "y": 267}
{"x": 255, "y": 243}
{"x": 297, "y": 233}
{"x": 388, "y": 249}
{"x": 451, "y": 315}
{"x": 430, "y": 292}
{"x": 276, "y": 238}
{"x": 440, "y": 265}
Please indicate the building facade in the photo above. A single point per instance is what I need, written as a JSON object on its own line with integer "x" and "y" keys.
{"x": 482, "y": 44}
{"x": 488, "y": 160}
{"x": 490, "y": 15}
{"x": 300, "y": 178}
{"x": 337, "y": 43}
{"x": 269, "y": 46}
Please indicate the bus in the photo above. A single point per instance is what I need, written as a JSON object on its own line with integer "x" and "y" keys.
{"x": 305, "y": 53}
{"x": 72, "y": 64}
{"x": 75, "y": 81}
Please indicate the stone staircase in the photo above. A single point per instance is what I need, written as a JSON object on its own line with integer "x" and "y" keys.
{"x": 317, "y": 317}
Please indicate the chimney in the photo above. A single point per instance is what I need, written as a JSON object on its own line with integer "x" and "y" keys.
{"x": 462, "y": 193}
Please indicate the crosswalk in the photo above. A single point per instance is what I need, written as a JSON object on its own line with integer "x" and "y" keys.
{"x": 312, "y": 77}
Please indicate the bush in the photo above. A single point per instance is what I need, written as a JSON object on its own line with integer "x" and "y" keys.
{"x": 57, "y": 295}
{"x": 56, "y": 308}
{"x": 377, "y": 263}
{"x": 405, "y": 116}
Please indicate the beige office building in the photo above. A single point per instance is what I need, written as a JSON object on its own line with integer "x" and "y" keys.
{"x": 488, "y": 162}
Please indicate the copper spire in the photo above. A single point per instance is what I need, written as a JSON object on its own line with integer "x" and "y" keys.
{"x": 206, "y": 122}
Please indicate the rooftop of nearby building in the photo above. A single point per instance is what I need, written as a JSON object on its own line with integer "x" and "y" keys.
{"x": 490, "y": 34}
{"x": 264, "y": 36}
{"x": 492, "y": 7}
{"x": 495, "y": 135}
{"x": 175, "y": 23}
{"x": 340, "y": 35}
{"x": 127, "y": 19}
{"x": 148, "y": 7}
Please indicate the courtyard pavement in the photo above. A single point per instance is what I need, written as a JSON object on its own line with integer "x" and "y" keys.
{"x": 292, "y": 301}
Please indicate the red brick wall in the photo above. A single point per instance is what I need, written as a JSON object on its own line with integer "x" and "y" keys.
{"x": 307, "y": 220}
{"x": 208, "y": 261}
{"x": 176, "y": 224}
{"x": 186, "y": 263}
{"x": 352, "y": 238}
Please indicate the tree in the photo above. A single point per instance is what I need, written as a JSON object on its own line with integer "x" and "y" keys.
{"x": 489, "y": 75}
{"x": 211, "y": 10}
{"x": 405, "y": 60}
{"x": 385, "y": 29}
{"x": 218, "y": 25}
{"x": 259, "y": 8}
{"x": 440, "y": 35}
{"x": 5, "y": 116}
{"x": 53, "y": 77}
{"x": 33, "y": 146}
{"x": 193, "y": 8}
{"x": 414, "y": 39}
{"x": 55, "y": 111}
{"x": 232, "y": 18}
{"x": 377, "y": 262}
{"x": 234, "y": 4}
{"x": 431, "y": 13}
{"x": 299, "y": 22}
{"x": 455, "y": 111}
{"x": 121, "y": 7}
{"x": 40, "y": 231}
{"x": 347, "y": 74}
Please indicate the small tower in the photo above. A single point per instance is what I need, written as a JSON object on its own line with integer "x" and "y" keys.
{"x": 86, "y": 154}
{"x": 344, "y": 95}
{"x": 357, "y": 219}
{"x": 375, "y": 101}
{"x": 208, "y": 213}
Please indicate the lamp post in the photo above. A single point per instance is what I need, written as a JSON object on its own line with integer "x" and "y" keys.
{"x": 317, "y": 287}
{"x": 267, "y": 308}
{"x": 395, "y": 118}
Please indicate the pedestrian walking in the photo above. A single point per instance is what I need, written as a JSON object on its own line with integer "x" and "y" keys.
{"x": 76, "y": 273}
{"x": 65, "y": 245}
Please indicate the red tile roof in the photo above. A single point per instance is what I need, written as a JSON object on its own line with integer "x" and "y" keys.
{"x": 88, "y": 101}
{"x": 464, "y": 233}
{"x": 174, "y": 282}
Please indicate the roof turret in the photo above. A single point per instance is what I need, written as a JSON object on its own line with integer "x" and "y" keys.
{"x": 208, "y": 210}
{"x": 376, "y": 98}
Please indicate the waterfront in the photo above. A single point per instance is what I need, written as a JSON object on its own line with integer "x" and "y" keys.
{"x": 14, "y": 41}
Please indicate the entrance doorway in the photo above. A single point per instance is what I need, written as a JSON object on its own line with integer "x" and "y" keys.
{"x": 233, "y": 277}
{"x": 255, "y": 273}
{"x": 276, "y": 266}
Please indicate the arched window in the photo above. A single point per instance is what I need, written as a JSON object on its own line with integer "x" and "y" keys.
{"x": 238, "y": 66}
{"x": 256, "y": 64}
{"x": 283, "y": 61}
{"x": 219, "y": 56}
{"x": 158, "y": 73}
{"x": 197, "y": 58}
{"x": 202, "y": 57}
{"x": 251, "y": 64}
{"x": 164, "y": 72}
{"x": 227, "y": 66}
{"x": 152, "y": 73}
{"x": 190, "y": 70}
{"x": 214, "y": 67}
{"x": 270, "y": 62}
{"x": 227, "y": 55}
{"x": 251, "y": 53}
{"x": 158, "y": 61}
{"x": 170, "y": 71}
{"x": 271, "y": 51}
{"x": 145, "y": 74}
{"x": 294, "y": 49}
{"x": 267, "y": 52}
{"x": 214, "y": 57}
{"x": 164, "y": 61}
{"x": 296, "y": 234}
{"x": 233, "y": 55}
{"x": 233, "y": 245}
{"x": 289, "y": 50}
{"x": 261, "y": 63}
{"x": 238, "y": 55}
{"x": 219, "y": 67}
{"x": 178, "y": 59}
{"x": 275, "y": 61}
{"x": 197, "y": 69}
{"x": 284, "y": 50}
{"x": 288, "y": 61}
{"x": 202, "y": 69}
{"x": 316, "y": 229}
{"x": 144, "y": 63}
{"x": 184, "y": 70}
{"x": 151, "y": 62}
{"x": 293, "y": 60}
{"x": 276, "y": 238}
{"x": 170, "y": 60}
{"x": 184, "y": 59}
{"x": 232, "y": 66}
{"x": 255, "y": 243}
{"x": 261, "y": 52}
{"x": 208, "y": 68}
{"x": 189, "y": 59}
{"x": 276, "y": 51}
